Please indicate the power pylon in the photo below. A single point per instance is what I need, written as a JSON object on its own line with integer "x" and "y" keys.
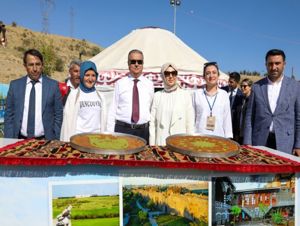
{"x": 46, "y": 6}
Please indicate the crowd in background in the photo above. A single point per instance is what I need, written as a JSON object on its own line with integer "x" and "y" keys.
{"x": 265, "y": 113}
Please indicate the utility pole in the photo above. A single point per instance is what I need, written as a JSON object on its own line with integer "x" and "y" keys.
{"x": 175, "y": 3}
{"x": 71, "y": 22}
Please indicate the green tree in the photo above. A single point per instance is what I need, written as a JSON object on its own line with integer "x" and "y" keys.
{"x": 150, "y": 204}
{"x": 235, "y": 211}
{"x": 49, "y": 57}
{"x": 142, "y": 215}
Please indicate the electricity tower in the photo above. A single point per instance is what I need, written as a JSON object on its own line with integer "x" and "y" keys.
{"x": 46, "y": 6}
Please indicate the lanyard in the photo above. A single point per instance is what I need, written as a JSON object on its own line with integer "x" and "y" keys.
{"x": 210, "y": 106}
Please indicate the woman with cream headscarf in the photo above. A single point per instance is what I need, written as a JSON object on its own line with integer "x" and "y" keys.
{"x": 172, "y": 110}
{"x": 84, "y": 111}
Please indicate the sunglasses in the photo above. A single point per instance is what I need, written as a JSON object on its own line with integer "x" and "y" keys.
{"x": 169, "y": 73}
{"x": 244, "y": 86}
{"x": 210, "y": 63}
{"x": 136, "y": 61}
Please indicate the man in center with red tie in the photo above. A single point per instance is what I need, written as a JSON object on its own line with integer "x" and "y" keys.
{"x": 130, "y": 108}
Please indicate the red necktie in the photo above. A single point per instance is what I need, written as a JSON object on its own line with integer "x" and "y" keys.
{"x": 135, "y": 103}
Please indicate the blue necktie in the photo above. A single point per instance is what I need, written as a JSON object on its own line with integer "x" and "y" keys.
{"x": 31, "y": 112}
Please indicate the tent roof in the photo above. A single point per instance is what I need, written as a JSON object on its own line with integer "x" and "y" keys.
{"x": 158, "y": 46}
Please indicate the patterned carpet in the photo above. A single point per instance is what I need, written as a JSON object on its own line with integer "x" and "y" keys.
{"x": 43, "y": 152}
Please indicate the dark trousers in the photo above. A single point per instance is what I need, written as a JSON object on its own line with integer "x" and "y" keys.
{"x": 139, "y": 132}
{"x": 37, "y": 138}
{"x": 271, "y": 142}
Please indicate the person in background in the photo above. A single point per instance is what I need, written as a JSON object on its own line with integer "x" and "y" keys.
{"x": 246, "y": 89}
{"x": 172, "y": 110}
{"x": 211, "y": 105}
{"x": 74, "y": 74}
{"x": 3, "y": 40}
{"x": 236, "y": 99}
{"x": 130, "y": 108}
{"x": 85, "y": 110}
{"x": 273, "y": 113}
{"x": 33, "y": 105}
{"x": 73, "y": 80}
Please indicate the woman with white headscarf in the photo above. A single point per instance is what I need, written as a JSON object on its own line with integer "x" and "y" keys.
{"x": 172, "y": 110}
{"x": 84, "y": 111}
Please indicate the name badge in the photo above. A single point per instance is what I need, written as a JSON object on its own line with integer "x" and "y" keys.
{"x": 210, "y": 123}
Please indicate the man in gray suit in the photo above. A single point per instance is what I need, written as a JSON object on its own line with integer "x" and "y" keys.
{"x": 33, "y": 105}
{"x": 273, "y": 114}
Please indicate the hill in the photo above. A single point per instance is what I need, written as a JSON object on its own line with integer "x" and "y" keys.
{"x": 20, "y": 39}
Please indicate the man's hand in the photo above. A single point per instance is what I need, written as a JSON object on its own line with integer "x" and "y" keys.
{"x": 296, "y": 151}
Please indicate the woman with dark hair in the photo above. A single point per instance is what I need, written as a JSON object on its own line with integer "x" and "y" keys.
{"x": 246, "y": 89}
{"x": 84, "y": 111}
{"x": 172, "y": 110}
{"x": 211, "y": 105}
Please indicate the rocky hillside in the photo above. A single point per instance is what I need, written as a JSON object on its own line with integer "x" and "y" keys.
{"x": 65, "y": 49}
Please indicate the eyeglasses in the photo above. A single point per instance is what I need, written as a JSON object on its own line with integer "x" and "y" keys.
{"x": 136, "y": 61}
{"x": 244, "y": 86}
{"x": 34, "y": 64}
{"x": 169, "y": 73}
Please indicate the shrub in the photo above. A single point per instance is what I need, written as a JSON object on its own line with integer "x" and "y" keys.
{"x": 59, "y": 65}
{"x": 20, "y": 49}
{"x": 49, "y": 57}
{"x": 14, "y": 24}
{"x": 277, "y": 217}
{"x": 95, "y": 50}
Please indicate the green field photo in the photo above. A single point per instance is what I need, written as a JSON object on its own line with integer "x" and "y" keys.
{"x": 79, "y": 206}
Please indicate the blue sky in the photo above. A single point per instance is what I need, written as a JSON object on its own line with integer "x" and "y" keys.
{"x": 101, "y": 189}
{"x": 235, "y": 33}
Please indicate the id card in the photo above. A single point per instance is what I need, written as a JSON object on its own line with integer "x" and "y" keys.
{"x": 210, "y": 123}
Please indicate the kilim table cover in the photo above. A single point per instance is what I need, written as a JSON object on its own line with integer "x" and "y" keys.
{"x": 56, "y": 153}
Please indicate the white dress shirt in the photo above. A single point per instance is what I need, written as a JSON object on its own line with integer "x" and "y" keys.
{"x": 39, "y": 128}
{"x": 121, "y": 106}
{"x": 221, "y": 111}
{"x": 273, "y": 94}
{"x": 69, "y": 83}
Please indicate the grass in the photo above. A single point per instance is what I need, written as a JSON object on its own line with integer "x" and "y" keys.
{"x": 167, "y": 220}
{"x": 96, "y": 222}
{"x": 134, "y": 221}
{"x": 88, "y": 208}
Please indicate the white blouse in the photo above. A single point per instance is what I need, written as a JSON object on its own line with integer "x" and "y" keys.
{"x": 220, "y": 110}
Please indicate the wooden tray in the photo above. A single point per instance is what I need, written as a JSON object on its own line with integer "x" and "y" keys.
{"x": 200, "y": 145}
{"x": 107, "y": 143}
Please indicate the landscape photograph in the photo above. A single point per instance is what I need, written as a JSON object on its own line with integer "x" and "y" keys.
{"x": 150, "y": 201}
{"x": 254, "y": 200}
{"x": 85, "y": 204}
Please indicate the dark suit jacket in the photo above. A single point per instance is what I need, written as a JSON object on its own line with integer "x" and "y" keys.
{"x": 52, "y": 110}
{"x": 236, "y": 111}
{"x": 286, "y": 117}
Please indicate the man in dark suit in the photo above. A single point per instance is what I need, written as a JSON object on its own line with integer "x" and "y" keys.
{"x": 236, "y": 101}
{"x": 33, "y": 105}
{"x": 273, "y": 114}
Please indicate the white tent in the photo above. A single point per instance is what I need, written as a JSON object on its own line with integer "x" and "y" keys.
{"x": 158, "y": 46}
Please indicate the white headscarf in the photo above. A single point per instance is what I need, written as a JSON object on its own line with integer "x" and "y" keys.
{"x": 168, "y": 88}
